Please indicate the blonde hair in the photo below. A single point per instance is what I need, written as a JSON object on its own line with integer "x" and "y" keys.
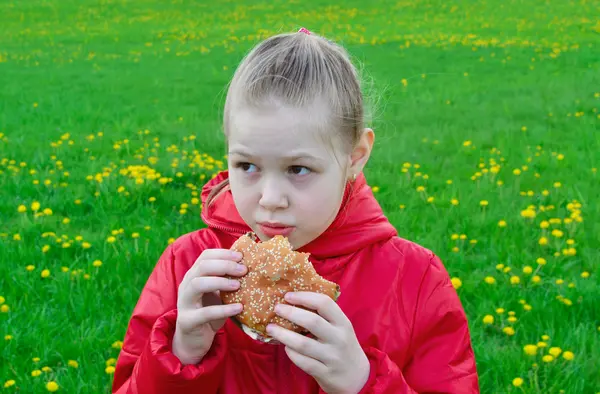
{"x": 296, "y": 69}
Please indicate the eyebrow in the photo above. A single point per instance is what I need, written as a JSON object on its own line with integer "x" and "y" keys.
{"x": 295, "y": 156}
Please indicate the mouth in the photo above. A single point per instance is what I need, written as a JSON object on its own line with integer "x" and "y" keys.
{"x": 273, "y": 229}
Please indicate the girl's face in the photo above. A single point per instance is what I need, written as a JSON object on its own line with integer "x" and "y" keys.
{"x": 287, "y": 176}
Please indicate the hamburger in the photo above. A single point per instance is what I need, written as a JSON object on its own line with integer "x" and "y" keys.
{"x": 274, "y": 269}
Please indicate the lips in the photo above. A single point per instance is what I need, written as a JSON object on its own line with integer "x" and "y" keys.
{"x": 273, "y": 229}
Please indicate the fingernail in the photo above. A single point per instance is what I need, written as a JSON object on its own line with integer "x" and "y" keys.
{"x": 270, "y": 328}
{"x": 289, "y": 296}
{"x": 234, "y": 284}
{"x": 279, "y": 308}
{"x": 240, "y": 268}
{"x": 236, "y": 255}
{"x": 237, "y": 307}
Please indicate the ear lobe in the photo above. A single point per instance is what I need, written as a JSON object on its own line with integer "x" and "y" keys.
{"x": 362, "y": 151}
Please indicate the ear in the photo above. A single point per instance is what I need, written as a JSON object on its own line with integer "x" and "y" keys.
{"x": 361, "y": 152}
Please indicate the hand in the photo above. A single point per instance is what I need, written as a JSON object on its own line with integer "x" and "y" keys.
{"x": 200, "y": 312}
{"x": 335, "y": 358}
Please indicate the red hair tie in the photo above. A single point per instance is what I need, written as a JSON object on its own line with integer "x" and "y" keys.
{"x": 304, "y": 30}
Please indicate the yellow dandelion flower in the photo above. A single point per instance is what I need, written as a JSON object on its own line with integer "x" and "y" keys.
{"x": 542, "y": 344}
{"x": 30, "y": 267}
{"x": 568, "y": 355}
{"x": 73, "y": 364}
{"x": 548, "y": 358}
{"x": 47, "y": 212}
{"x": 508, "y": 331}
{"x": 530, "y": 350}
{"x": 52, "y": 386}
{"x": 135, "y": 235}
{"x": 541, "y": 261}
{"x": 488, "y": 319}
{"x": 527, "y": 307}
{"x": 110, "y": 370}
{"x": 515, "y": 280}
{"x": 543, "y": 241}
{"x": 527, "y": 270}
{"x": 500, "y": 311}
{"x": 502, "y": 223}
{"x": 111, "y": 239}
{"x": 490, "y": 280}
{"x": 545, "y": 337}
{"x": 4, "y": 308}
{"x": 456, "y": 283}
{"x": 45, "y": 273}
{"x": 585, "y": 274}
{"x": 536, "y": 279}
{"x": 512, "y": 319}
{"x": 45, "y": 248}
{"x": 22, "y": 209}
{"x": 9, "y": 383}
{"x": 454, "y": 201}
{"x": 517, "y": 382}
{"x": 484, "y": 203}
{"x": 97, "y": 263}
{"x": 555, "y": 351}
{"x": 36, "y": 372}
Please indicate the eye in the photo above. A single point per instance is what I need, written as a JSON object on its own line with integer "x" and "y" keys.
{"x": 246, "y": 167}
{"x": 299, "y": 170}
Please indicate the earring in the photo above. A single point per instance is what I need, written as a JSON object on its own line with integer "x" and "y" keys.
{"x": 354, "y": 177}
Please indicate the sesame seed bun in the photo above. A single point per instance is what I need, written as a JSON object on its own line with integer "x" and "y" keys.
{"x": 274, "y": 269}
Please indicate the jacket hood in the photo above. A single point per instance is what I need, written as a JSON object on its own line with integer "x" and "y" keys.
{"x": 359, "y": 223}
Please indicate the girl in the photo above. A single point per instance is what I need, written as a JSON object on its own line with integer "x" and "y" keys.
{"x": 297, "y": 146}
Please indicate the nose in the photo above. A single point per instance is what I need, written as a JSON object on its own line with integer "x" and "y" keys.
{"x": 273, "y": 195}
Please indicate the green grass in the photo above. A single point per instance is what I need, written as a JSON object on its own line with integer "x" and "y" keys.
{"x": 517, "y": 79}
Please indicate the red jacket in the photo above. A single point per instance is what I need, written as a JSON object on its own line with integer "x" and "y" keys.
{"x": 398, "y": 295}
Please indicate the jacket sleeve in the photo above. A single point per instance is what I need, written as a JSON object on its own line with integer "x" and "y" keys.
{"x": 146, "y": 364}
{"x": 440, "y": 355}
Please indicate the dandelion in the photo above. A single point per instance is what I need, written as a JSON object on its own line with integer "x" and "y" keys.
{"x": 530, "y": 350}
{"x": 527, "y": 270}
{"x": 568, "y": 356}
{"x": 536, "y": 279}
{"x": 548, "y": 358}
{"x": 541, "y": 261}
{"x": 35, "y": 373}
{"x": 557, "y": 233}
{"x": 515, "y": 280}
{"x": 109, "y": 370}
{"x": 555, "y": 351}
{"x": 73, "y": 364}
{"x": 585, "y": 274}
{"x": 508, "y": 331}
{"x": 52, "y": 386}
{"x": 517, "y": 382}
{"x": 544, "y": 224}
{"x": 454, "y": 201}
{"x": 456, "y": 283}
{"x": 45, "y": 273}
{"x": 22, "y": 209}
{"x": 488, "y": 319}
{"x": 97, "y": 263}
{"x": 484, "y": 203}
{"x": 111, "y": 239}
{"x": 9, "y": 383}
{"x": 500, "y": 311}
{"x": 490, "y": 280}
{"x": 543, "y": 241}
{"x": 502, "y": 223}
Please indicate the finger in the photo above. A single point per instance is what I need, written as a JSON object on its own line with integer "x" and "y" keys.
{"x": 191, "y": 296}
{"x": 309, "y": 365}
{"x": 194, "y": 318}
{"x": 314, "y": 323}
{"x": 322, "y": 304}
{"x": 220, "y": 268}
{"x": 301, "y": 344}
{"x": 215, "y": 254}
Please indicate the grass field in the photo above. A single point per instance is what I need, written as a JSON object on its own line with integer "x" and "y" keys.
{"x": 487, "y": 122}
